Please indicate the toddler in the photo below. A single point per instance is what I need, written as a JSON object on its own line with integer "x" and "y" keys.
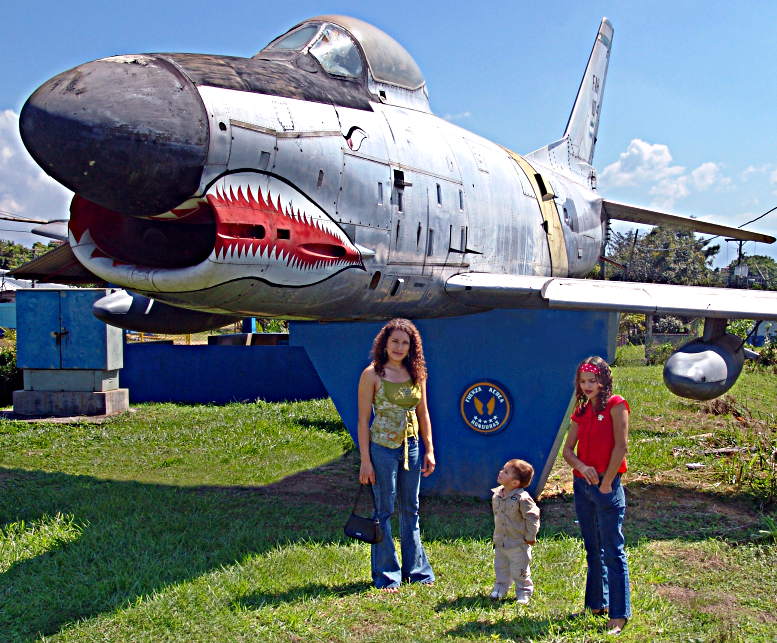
{"x": 516, "y": 523}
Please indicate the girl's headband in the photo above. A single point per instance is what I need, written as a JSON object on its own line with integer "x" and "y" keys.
{"x": 589, "y": 368}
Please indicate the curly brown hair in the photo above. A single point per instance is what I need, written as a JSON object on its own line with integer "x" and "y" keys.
{"x": 414, "y": 362}
{"x": 604, "y": 377}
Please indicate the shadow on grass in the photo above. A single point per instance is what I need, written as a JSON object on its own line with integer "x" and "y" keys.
{"x": 330, "y": 426}
{"x": 478, "y": 601}
{"x": 668, "y": 512}
{"x": 260, "y": 600}
{"x": 138, "y": 538}
{"x": 521, "y": 628}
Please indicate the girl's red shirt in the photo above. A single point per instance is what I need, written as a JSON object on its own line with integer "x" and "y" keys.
{"x": 595, "y": 439}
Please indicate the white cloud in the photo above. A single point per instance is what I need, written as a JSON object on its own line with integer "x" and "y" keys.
{"x": 641, "y": 162}
{"x": 754, "y": 170}
{"x": 708, "y": 175}
{"x": 667, "y": 191}
{"x": 650, "y": 166}
{"x": 25, "y": 189}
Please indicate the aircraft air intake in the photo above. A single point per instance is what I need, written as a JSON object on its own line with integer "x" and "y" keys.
{"x": 171, "y": 242}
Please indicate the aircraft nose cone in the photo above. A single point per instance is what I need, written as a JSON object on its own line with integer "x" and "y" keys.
{"x": 127, "y": 132}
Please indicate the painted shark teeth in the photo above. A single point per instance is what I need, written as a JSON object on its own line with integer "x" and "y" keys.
{"x": 262, "y": 200}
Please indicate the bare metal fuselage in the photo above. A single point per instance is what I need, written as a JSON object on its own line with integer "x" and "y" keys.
{"x": 428, "y": 198}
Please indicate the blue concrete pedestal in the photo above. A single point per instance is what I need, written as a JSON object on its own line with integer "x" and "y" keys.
{"x": 529, "y": 355}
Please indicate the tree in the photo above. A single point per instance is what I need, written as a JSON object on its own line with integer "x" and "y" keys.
{"x": 13, "y": 255}
{"x": 664, "y": 256}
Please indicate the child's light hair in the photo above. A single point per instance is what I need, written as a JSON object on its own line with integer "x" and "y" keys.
{"x": 521, "y": 470}
{"x": 604, "y": 377}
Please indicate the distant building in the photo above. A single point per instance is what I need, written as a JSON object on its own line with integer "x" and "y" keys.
{"x": 9, "y": 286}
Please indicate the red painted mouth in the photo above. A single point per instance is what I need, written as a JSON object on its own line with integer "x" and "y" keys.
{"x": 259, "y": 225}
{"x": 248, "y": 225}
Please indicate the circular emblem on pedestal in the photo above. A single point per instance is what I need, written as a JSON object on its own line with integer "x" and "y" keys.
{"x": 485, "y": 407}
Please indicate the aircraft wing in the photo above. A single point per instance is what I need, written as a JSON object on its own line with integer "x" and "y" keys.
{"x": 58, "y": 266}
{"x": 634, "y": 214}
{"x": 509, "y": 291}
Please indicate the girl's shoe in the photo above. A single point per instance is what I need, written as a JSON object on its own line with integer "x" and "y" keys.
{"x": 522, "y": 598}
{"x": 615, "y": 626}
{"x": 497, "y": 595}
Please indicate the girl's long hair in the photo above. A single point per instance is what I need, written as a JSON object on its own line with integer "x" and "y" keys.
{"x": 604, "y": 377}
{"x": 414, "y": 362}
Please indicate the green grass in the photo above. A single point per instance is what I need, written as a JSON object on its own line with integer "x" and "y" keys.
{"x": 204, "y": 523}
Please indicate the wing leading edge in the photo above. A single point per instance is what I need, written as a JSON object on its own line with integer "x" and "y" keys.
{"x": 634, "y": 214}
{"x": 509, "y": 291}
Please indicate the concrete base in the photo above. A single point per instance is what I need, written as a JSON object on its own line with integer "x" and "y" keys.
{"x": 67, "y": 403}
{"x": 62, "y": 379}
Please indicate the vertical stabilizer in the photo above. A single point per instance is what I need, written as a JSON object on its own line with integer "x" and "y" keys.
{"x": 583, "y": 123}
{"x": 574, "y": 152}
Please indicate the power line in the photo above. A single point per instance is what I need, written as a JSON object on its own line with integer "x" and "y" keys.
{"x": 747, "y": 222}
{"x": 760, "y": 217}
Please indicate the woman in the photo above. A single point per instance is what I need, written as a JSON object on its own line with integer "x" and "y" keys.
{"x": 394, "y": 387}
{"x": 599, "y": 428}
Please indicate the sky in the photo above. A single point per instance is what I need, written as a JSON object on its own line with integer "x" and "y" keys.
{"x": 687, "y": 119}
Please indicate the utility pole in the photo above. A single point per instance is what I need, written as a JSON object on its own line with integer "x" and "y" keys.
{"x": 631, "y": 255}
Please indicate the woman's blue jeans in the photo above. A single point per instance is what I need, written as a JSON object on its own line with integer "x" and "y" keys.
{"x": 600, "y": 516}
{"x": 395, "y": 485}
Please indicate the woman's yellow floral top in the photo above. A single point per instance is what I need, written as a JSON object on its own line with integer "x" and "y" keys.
{"x": 394, "y": 409}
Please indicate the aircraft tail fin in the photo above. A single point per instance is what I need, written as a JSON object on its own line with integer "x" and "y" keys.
{"x": 574, "y": 152}
{"x": 583, "y": 123}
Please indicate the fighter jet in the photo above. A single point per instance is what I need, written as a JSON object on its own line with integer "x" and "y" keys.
{"x": 313, "y": 182}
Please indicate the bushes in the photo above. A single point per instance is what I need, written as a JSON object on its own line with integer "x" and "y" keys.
{"x": 659, "y": 353}
{"x": 10, "y": 376}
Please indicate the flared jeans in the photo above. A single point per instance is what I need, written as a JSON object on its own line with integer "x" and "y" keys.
{"x": 396, "y": 486}
{"x": 600, "y": 516}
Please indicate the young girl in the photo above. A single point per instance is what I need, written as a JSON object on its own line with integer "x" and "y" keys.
{"x": 599, "y": 428}
{"x": 394, "y": 386}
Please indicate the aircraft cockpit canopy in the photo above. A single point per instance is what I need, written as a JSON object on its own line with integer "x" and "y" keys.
{"x": 345, "y": 46}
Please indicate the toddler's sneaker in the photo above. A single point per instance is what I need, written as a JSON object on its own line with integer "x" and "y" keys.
{"x": 522, "y": 598}
{"x": 497, "y": 594}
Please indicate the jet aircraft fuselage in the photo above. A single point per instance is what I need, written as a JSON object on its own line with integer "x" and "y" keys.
{"x": 311, "y": 181}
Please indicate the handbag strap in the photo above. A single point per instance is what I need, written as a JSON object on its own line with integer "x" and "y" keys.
{"x": 359, "y": 494}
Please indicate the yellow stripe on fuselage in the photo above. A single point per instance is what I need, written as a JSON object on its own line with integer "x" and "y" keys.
{"x": 559, "y": 265}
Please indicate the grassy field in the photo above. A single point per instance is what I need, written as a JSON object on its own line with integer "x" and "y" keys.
{"x": 205, "y": 523}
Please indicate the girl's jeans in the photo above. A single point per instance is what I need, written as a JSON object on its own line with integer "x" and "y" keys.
{"x": 601, "y": 524}
{"x": 393, "y": 483}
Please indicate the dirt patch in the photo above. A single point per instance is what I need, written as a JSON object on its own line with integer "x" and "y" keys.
{"x": 723, "y": 606}
{"x": 73, "y": 419}
{"x": 690, "y": 556}
{"x": 674, "y": 594}
{"x": 669, "y": 504}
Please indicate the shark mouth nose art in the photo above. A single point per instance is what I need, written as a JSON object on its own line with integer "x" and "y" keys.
{"x": 263, "y": 220}
{"x": 248, "y": 225}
